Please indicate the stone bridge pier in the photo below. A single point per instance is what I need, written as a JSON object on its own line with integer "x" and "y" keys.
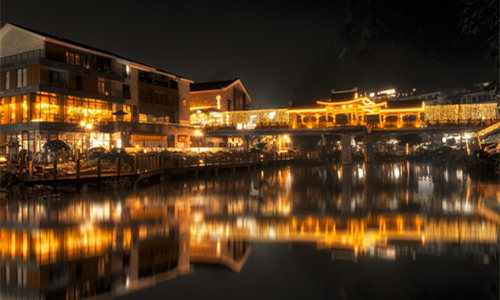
{"x": 346, "y": 148}
{"x": 346, "y": 142}
{"x": 368, "y": 142}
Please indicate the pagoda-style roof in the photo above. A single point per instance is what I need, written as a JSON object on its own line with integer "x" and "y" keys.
{"x": 343, "y": 95}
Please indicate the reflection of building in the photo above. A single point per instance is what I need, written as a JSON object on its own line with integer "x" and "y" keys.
{"x": 85, "y": 248}
{"x": 50, "y": 86}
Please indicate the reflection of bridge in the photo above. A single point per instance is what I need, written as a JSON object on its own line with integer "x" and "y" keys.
{"x": 358, "y": 234}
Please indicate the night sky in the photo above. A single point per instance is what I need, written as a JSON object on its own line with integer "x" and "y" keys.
{"x": 267, "y": 44}
{"x": 281, "y": 51}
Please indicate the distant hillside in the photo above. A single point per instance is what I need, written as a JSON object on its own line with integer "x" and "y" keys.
{"x": 401, "y": 44}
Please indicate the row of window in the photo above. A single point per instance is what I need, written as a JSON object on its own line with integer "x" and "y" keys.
{"x": 78, "y": 59}
{"x": 157, "y": 79}
{"x": 20, "y": 276}
{"x": 21, "y": 78}
{"x": 154, "y": 97}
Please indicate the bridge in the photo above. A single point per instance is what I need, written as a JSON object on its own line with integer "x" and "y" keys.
{"x": 348, "y": 117}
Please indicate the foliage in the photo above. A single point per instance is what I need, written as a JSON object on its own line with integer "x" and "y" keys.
{"x": 481, "y": 17}
{"x": 401, "y": 44}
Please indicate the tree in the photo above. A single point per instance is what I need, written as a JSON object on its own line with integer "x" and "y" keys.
{"x": 401, "y": 44}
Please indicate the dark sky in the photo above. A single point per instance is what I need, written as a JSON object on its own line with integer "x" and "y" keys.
{"x": 267, "y": 44}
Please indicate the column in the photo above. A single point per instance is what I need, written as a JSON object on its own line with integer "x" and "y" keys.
{"x": 368, "y": 148}
{"x": 246, "y": 142}
{"x": 346, "y": 140}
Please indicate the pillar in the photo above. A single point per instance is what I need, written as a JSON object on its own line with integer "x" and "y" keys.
{"x": 368, "y": 148}
{"x": 346, "y": 140}
{"x": 246, "y": 142}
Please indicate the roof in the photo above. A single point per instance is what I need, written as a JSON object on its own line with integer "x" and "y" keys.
{"x": 214, "y": 85}
{"x": 63, "y": 40}
{"x": 343, "y": 95}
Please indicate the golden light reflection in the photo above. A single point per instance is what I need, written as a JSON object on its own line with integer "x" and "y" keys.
{"x": 359, "y": 234}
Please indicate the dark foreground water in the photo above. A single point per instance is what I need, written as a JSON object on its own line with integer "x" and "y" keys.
{"x": 390, "y": 231}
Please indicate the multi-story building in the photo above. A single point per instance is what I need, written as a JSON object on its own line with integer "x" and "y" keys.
{"x": 218, "y": 96}
{"x": 52, "y": 88}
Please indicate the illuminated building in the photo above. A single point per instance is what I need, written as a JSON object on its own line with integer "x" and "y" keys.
{"x": 220, "y": 95}
{"x": 347, "y": 108}
{"x": 49, "y": 85}
{"x": 208, "y": 99}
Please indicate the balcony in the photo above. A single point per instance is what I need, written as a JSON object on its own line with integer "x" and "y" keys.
{"x": 32, "y": 57}
{"x": 25, "y": 57}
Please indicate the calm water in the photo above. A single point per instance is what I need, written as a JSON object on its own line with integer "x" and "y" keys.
{"x": 390, "y": 231}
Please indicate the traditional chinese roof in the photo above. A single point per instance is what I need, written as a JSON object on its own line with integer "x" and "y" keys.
{"x": 343, "y": 95}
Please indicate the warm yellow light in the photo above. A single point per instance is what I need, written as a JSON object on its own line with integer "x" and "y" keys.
{"x": 198, "y": 132}
{"x": 89, "y": 126}
{"x": 83, "y": 123}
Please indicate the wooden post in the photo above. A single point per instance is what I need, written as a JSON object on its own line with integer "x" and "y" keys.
{"x": 118, "y": 167}
{"x": 30, "y": 168}
{"x": 98, "y": 167}
{"x": 55, "y": 168}
{"x": 78, "y": 168}
{"x": 135, "y": 164}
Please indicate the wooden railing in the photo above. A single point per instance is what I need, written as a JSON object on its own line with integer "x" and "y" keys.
{"x": 147, "y": 164}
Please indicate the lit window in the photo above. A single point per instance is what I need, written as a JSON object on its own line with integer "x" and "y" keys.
{"x": 22, "y": 75}
{"x": 101, "y": 87}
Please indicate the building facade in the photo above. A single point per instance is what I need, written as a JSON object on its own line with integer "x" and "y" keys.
{"x": 208, "y": 98}
{"x": 51, "y": 88}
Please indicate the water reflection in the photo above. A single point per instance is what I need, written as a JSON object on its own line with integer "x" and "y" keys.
{"x": 115, "y": 242}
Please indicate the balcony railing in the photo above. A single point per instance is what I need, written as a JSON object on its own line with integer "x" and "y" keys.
{"x": 29, "y": 56}
{"x": 12, "y": 60}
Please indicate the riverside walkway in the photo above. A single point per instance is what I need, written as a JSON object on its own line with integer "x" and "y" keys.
{"x": 151, "y": 165}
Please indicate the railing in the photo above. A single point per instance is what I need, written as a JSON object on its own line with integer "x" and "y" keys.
{"x": 12, "y": 60}
{"x": 146, "y": 164}
{"x": 382, "y": 124}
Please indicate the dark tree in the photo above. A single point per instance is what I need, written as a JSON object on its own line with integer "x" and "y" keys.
{"x": 401, "y": 44}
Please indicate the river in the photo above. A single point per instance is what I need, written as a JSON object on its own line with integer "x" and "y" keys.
{"x": 384, "y": 231}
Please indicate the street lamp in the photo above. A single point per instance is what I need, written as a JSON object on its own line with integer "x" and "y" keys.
{"x": 87, "y": 127}
{"x": 198, "y": 133}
